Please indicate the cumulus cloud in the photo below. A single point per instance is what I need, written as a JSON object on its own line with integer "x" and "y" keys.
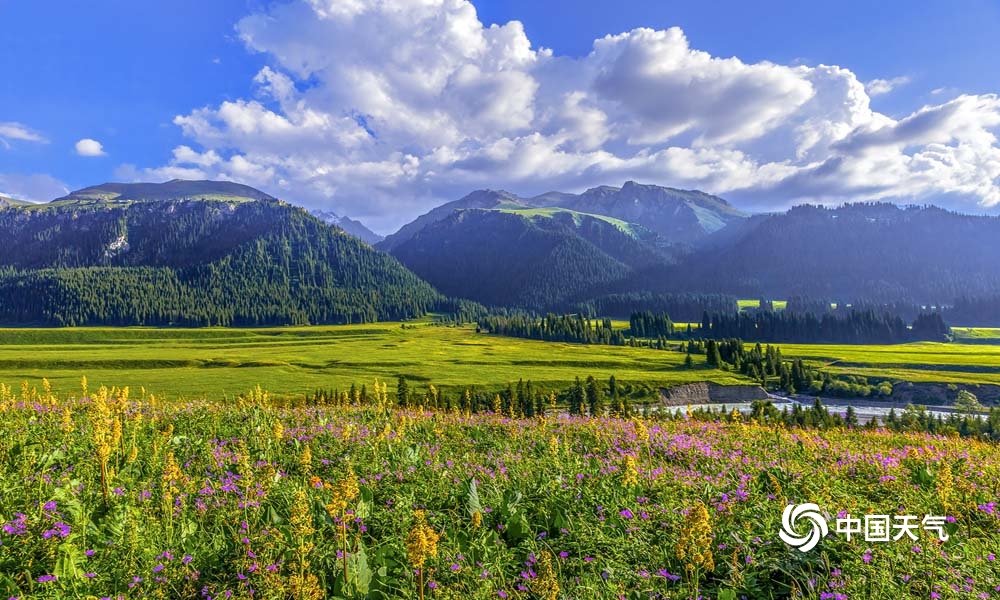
{"x": 89, "y": 147}
{"x": 381, "y": 109}
{"x": 11, "y": 130}
{"x": 33, "y": 188}
{"x": 879, "y": 87}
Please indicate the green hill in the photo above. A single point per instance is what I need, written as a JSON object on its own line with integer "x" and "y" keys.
{"x": 209, "y": 254}
{"x": 531, "y": 258}
{"x": 175, "y": 189}
{"x": 6, "y": 202}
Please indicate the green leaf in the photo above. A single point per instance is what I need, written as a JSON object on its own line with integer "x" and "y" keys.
{"x": 188, "y": 529}
{"x": 361, "y": 573}
{"x": 472, "y": 503}
{"x": 517, "y": 529}
{"x": 273, "y": 518}
{"x": 66, "y": 563}
{"x": 363, "y": 509}
{"x": 8, "y": 588}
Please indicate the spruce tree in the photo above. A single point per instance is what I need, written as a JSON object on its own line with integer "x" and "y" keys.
{"x": 402, "y": 392}
{"x": 576, "y": 398}
{"x": 595, "y": 402}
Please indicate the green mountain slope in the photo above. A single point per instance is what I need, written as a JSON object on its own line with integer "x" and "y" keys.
{"x": 6, "y": 202}
{"x": 132, "y": 259}
{"x": 175, "y": 189}
{"x": 678, "y": 216}
{"x": 529, "y": 258}
{"x": 478, "y": 199}
{"x": 859, "y": 251}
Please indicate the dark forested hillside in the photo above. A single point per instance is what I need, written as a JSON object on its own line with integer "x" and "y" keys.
{"x": 873, "y": 252}
{"x": 855, "y": 327}
{"x": 217, "y": 262}
{"x": 528, "y": 259}
{"x": 685, "y": 308}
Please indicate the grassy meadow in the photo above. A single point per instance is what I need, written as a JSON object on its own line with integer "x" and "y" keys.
{"x": 215, "y": 363}
{"x": 916, "y": 362}
{"x": 219, "y": 363}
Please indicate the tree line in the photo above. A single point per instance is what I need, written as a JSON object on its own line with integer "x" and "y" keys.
{"x": 589, "y": 397}
{"x": 594, "y": 398}
{"x": 856, "y": 327}
{"x": 766, "y": 366}
{"x": 575, "y": 329}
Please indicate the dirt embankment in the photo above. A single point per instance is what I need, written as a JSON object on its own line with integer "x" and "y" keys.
{"x": 705, "y": 392}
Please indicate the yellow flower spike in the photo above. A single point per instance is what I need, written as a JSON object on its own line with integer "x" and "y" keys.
{"x": 67, "y": 421}
{"x": 630, "y": 474}
{"x": 306, "y": 458}
{"x": 421, "y": 542}
{"x": 546, "y": 585}
{"x": 944, "y": 485}
{"x": 695, "y": 545}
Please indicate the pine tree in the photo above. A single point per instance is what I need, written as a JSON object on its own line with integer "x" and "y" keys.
{"x": 576, "y": 398}
{"x": 595, "y": 402}
{"x": 850, "y": 417}
{"x": 402, "y": 392}
{"x": 712, "y": 356}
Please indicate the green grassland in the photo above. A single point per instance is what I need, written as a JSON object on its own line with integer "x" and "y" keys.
{"x": 746, "y": 303}
{"x": 630, "y": 229}
{"x": 976, "y": 335}
{"x": 195, "y": 363}
{"x": 295, "y": 360}
{"x": 916, "y": 362}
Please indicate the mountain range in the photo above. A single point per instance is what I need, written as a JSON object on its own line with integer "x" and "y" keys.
{"x": 670, "y": 241}
{"x": 202, "y": 252}
{"x": 676, "y": 216}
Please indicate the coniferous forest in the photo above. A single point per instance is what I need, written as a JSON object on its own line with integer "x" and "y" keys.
{"x": 210, "y": 263}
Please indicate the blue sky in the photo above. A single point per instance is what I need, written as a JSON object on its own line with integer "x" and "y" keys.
{"x": 307, "y": 101}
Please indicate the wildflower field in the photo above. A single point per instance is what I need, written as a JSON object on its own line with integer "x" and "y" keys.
{"x": 114, "y": 493}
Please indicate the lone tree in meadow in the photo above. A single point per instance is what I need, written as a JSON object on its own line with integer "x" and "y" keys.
{"x": 576, "y": 398}
{"x": 967, "y": 402}
{"x": 595, "y": 400}
{"x": 402, "y": 391}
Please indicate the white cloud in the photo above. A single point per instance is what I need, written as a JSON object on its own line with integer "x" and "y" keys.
{"x": 34, "y": 188}
{"x": 879, "y": 87}
{"x": 380, "y": 109}
{"x": 11, "y": 130}
{"x": 89, "y": 147}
